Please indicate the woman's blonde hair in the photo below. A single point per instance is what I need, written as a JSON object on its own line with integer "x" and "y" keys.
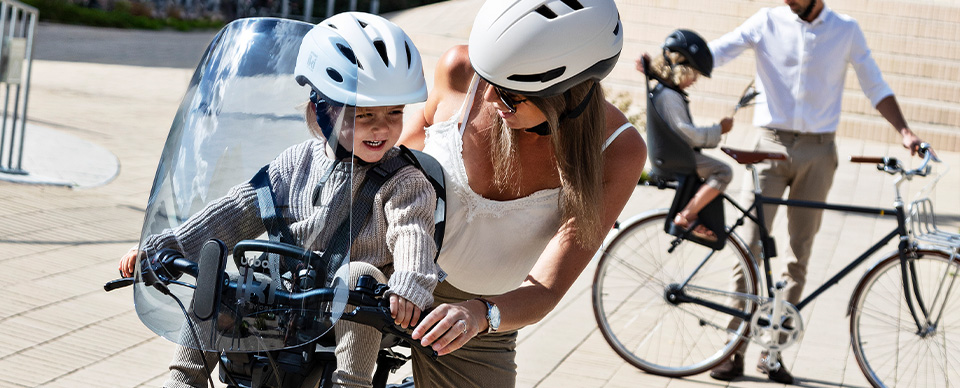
{"x": 672, "y": 72}
{"x": 577, "y": 153}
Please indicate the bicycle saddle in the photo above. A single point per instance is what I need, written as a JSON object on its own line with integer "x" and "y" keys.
{"x": 750, "y": 157}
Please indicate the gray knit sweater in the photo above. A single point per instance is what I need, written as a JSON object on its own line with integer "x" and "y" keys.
{"x": 398, "y": 237}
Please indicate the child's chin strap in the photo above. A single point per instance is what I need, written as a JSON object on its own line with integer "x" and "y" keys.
{"x": 543, "y": 129}
{"x": 327, "y": 126}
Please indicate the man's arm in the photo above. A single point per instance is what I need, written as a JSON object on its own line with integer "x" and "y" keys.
{"x": 877, "y": 90}
{"x": 890, "y": 110}
{"x": 727, "y": 47}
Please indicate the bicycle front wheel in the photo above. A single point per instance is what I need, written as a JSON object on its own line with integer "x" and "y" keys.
{"x": 891, "y": 349}
{"x": 650, "y": 332}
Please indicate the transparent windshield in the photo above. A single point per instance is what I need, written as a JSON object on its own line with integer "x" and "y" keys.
{"x": 241, "y": 163}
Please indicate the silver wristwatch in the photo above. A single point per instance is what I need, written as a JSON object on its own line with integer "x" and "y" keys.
{"x": 493, "y": 315}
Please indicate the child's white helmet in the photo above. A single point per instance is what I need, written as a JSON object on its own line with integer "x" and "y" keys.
{"x": 542, "y": 48}
{"x": 387, "y": 69}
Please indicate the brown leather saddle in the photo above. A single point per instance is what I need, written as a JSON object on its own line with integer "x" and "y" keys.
{"x": 751, "y": 157}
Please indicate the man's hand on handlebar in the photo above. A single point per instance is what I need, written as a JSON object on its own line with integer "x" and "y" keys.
{"x": 911, "y": 141}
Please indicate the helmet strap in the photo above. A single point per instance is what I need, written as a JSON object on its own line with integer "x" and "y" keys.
{"x": 326, "y": 125}
{"x": 666, "y": 59}
{"x": 543, "y": 129}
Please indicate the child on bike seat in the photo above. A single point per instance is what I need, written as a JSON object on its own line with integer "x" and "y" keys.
{"x": 397, "y": 239}
{"x": 685, "y": 57}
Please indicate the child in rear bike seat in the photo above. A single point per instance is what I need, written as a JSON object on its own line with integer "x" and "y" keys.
{"x": 685, "y": 57}
{"x": 397, "y": 238}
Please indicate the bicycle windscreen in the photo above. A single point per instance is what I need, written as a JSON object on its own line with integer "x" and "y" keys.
{"x": 244, "y": 160}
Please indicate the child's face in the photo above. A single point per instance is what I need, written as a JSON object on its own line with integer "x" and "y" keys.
{"x": 377, "y": 130}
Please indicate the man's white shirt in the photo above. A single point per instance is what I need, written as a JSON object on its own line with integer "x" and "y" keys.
{"x": 801, "y": 67}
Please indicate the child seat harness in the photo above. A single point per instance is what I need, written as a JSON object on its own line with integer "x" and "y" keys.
{"x": 339, "y": 245}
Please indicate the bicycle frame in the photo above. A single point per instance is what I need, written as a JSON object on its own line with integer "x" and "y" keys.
{"x": 768, "y": 250}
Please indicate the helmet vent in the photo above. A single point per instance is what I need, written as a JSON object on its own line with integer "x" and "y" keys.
{"x": 406, "y": 45}
{"x": 334, "y": 75}
{"x": 362, "y": 24}
{"x": 573, "y": 4}
{"x": 616, "y": 30}
{"x": 348, "y": 53}
{"x": 331, "y": 26}
{"x": 542, "y": 77}
{"x": 382, "y": 50}
{"x": 546, "y": 12}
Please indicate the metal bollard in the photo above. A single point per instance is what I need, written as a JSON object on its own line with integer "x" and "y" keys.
{"x": 18, "y": 23}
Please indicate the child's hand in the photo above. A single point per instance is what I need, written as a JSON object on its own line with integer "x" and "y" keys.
{"x": 639, "y": 61}
{"x": 404, "y": 312}
{"x": 726, "y": 124}
{"x": 128, "y": 262}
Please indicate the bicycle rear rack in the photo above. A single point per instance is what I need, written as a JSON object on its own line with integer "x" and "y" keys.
{"x": 922, "y": 222}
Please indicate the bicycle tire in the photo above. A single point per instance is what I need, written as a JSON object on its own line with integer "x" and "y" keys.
{"x": 888, "y": 347}
{"x": 645, "y": 329}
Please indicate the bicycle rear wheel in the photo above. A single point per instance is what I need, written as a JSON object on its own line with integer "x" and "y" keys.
{"x": 889, "y": 348}
{"x": 648, "y": 331}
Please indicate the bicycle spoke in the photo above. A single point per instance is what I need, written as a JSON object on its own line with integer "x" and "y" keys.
{"x": 633, "y": 313}
{"x": 887, "y": 344}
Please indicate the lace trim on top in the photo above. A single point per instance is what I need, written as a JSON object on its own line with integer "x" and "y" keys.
{"x": 449, "y": 136}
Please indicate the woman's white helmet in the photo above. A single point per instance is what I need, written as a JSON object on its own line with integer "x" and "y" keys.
{"x": 542, "y": 48}
{"x": 361, "y": 59}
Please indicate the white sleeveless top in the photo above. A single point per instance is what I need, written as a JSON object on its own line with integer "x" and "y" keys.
{"x": 489, "y": 246}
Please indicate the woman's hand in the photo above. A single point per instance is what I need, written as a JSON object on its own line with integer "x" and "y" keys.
{"x": 404, "y": 312}
{"x": 128, "y": 262}
{"x": 449, "y": 326}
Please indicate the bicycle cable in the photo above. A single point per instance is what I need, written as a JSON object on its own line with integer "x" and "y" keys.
{"x": 193, "y": 332}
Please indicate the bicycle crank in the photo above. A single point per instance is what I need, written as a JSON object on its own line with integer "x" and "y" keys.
{"x": 776, "y": 333}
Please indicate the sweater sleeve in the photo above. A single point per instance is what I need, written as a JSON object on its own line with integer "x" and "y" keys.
{"x": 672, "y": 108}
{"x": 410, "y": 226}
{"x": 230, "y": 218}
{"x": 236, "y": 215}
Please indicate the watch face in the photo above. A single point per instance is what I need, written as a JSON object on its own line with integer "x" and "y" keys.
{"x": 494, "y": 317}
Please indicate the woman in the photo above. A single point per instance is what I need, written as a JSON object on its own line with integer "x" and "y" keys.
{"x": 539, "y": 166}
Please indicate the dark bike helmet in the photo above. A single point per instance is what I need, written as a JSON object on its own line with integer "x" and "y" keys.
{"x": 691, "y": 46}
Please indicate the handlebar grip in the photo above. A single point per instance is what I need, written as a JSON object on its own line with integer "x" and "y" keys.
{"x": 866, "y": 159}
{"x": 117, "y": 283}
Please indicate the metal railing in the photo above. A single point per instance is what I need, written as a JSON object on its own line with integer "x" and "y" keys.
{"x": 308, "y": 8}
{"x": 18, "y": 23}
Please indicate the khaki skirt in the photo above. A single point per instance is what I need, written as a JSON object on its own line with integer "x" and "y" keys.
{"x": 486, "y": 361}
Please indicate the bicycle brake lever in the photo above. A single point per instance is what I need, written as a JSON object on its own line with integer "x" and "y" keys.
{"x": 117, "y": 283}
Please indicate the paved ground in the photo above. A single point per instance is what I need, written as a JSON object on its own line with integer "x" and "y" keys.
{"x": 59, "y": 245}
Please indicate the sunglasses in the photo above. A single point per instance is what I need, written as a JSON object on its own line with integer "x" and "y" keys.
{"x": 509, "y": 99}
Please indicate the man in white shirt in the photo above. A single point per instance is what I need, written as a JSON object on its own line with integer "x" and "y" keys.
{"x": 802, "y": 51}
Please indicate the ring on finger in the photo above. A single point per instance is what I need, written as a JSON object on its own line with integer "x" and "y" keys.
{"x": 464, "y": 323}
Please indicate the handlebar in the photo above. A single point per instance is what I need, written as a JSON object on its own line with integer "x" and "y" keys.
{"x": 892, "y": 165}
{"x": 372, "y": 309}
